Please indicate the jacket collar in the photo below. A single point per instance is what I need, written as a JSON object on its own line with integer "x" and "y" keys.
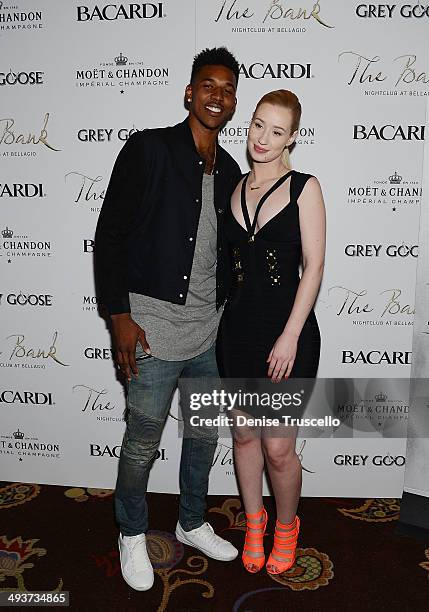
{"x": 184, "y": 132}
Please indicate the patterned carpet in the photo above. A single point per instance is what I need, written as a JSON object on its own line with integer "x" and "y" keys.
{"x": 349, "y": 557}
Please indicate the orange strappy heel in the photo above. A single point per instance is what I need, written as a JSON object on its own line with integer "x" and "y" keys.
{"x": 284, "y": 547}
{"x": 253, "y": 542}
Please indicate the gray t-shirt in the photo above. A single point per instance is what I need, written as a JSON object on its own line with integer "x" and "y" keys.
{"x": 176, "y": 332}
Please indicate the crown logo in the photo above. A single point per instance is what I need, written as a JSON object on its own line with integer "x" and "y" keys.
{"x": 18, "y": 435}
{"x": 381, "y": 397}
{"x": 7, "y": 233}
{"x": 395, "y": 179}
{"x": 121, "y": 60}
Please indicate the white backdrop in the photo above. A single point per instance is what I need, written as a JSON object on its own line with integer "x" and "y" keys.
{"x": 67, "y": 105}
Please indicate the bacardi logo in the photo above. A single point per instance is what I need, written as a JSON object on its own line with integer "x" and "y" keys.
{"x": 376, "y": 357}
{"x": 21, "y": 190}
{"x": 259, "y": 70}
{"x": 389, "y": 132}
{"x": 113, "y": 452}
{"x": 112, "y": 12}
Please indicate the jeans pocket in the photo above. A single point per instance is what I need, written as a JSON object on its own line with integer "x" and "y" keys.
{"x": 140, "y": 354}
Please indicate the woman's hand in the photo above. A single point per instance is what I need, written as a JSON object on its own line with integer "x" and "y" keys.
{"x": 282, "y": 356}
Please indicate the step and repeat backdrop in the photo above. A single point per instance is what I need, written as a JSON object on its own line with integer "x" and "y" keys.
{"x": 76, "y": 79}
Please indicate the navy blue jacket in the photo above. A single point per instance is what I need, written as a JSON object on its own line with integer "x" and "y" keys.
{"x": 146, "y": 231}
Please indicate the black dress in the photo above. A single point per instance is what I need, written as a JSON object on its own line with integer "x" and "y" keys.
{"x": 265, "y": 271}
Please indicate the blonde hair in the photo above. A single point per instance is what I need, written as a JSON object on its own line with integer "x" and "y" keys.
{"x": 286, "y": 99}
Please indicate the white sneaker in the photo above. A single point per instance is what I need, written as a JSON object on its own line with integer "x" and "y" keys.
{"x": 205, "y": 539}
{"x": 136, "y": 567}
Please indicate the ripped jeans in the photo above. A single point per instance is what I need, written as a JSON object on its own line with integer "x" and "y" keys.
{"x": 148, "y": 402}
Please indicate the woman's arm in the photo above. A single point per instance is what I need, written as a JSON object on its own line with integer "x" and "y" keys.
{"x": 312, "y": 221}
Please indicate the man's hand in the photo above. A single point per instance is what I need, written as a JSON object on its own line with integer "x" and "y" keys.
{"x": 126, "y": 334}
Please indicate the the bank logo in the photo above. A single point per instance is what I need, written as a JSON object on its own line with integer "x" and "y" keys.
{"x": 17, "y": 351}
{"x": 19, "y": 141}
{"x": 373, "y": 75}
{"x": 271, "y": 17}
{"x": 87, "y": 190}
{"x": 362, "y": 307}
{"x": 97, "y": 403}
{"x": 121, "y": 73}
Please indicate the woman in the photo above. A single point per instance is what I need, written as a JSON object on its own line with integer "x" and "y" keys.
{"x": 276, "y": 222}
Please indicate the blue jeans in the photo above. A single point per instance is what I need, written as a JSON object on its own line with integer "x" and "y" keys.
{"x": 148, "y": 403}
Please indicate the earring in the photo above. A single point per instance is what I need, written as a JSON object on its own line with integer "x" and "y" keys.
{"x": 189, "y": 100}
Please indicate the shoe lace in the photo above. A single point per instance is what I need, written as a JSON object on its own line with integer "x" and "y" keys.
{"x": 211, "y": 537}
{"x": 138, "y": 552}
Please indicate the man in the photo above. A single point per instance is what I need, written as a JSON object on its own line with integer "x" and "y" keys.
{"x": 163, "y": 276}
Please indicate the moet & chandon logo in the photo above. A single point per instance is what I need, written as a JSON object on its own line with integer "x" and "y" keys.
{"x": 121, "y": 72}
{"x": 16, "y": 247}
{"x": 393, "y": 191}
{"x": 21, "y": 445}
{"x": 14, "y": 19}
{"x": 236, "y": 134}
{"x": 380, "y": 409}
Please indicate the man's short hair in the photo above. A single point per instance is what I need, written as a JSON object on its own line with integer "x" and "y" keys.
{"x": 218, "y": 56}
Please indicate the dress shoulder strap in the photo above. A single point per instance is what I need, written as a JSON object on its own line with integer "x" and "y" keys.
{"x": 297, "y": 184}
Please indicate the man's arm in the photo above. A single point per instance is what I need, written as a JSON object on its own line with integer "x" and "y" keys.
{"x": 124, "y": 196}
